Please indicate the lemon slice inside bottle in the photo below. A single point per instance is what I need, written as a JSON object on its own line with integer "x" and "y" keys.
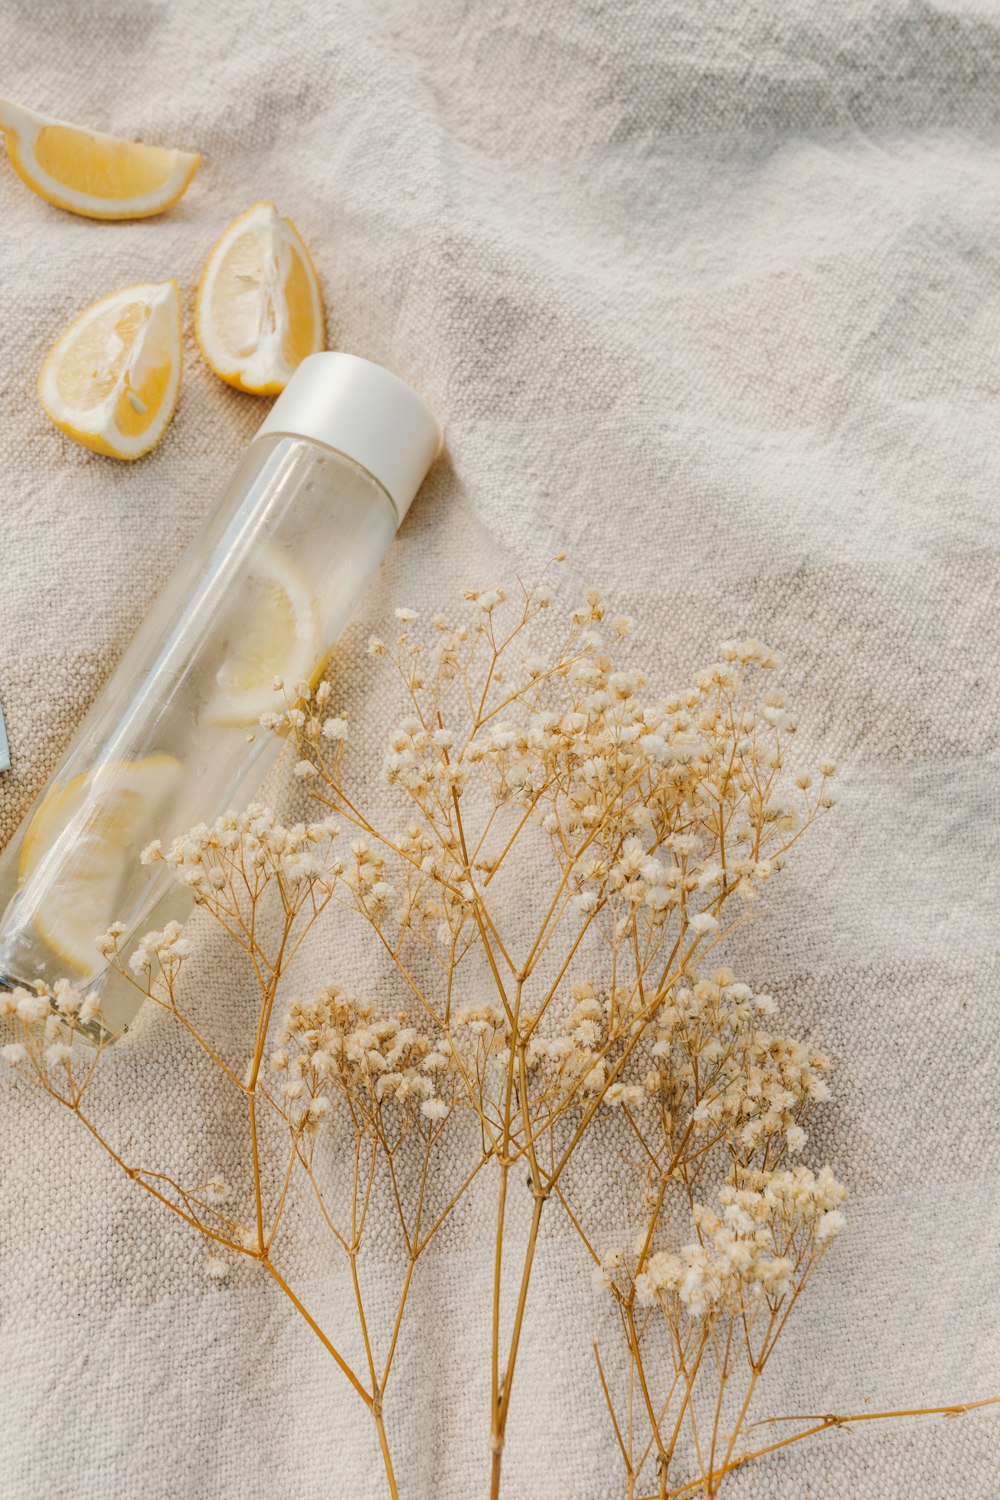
{"x": 274, "y": 631}
{"x": 80, "y": 847}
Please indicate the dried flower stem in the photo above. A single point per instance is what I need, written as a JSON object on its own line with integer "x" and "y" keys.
{"x": 819, "y": 1425}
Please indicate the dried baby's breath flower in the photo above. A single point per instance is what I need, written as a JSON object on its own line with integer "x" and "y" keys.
{"x": 545, "y": 914}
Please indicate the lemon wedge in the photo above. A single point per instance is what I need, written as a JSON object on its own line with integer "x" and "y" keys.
{"x": 259, "y": 311}
{"x": 111, "y": 380}
{"x": 99, "y": 176}
{"x": 274, "y": 631}
{"x": 80, "y": 846}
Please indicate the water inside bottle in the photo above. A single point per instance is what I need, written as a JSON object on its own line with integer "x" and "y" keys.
{"x": 175, "y": 739}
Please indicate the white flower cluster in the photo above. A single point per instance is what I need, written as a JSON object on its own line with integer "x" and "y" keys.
{"x": 789, "y": 1198}
{"x": 485, "y": 1022}
{"x": 769, "y": 1235}
{"x": 723, "y": 1080}
{"x": 339, "y": 1045}
{"x": 363, "y": 875}
{"x": 211, "y": 857}
{"x": 166, "y": 950}
{"x": 712, "y": 1055}
{"x": 47, "y": 1019}
{"x": 418, "y": 760}
{"x": 575, "y": 1058}
{"x": 59, "y": 1002}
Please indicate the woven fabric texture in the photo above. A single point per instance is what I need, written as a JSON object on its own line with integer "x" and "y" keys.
{"x": 708, "y": 295}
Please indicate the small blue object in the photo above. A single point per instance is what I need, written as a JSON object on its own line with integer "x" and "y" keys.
{"x": 4, "y": 747}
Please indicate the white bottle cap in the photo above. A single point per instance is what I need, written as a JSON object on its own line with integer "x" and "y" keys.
{"x": 364, "y": 412}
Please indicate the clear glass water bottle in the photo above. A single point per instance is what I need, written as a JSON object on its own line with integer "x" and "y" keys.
{"x": 263, "y": 591}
